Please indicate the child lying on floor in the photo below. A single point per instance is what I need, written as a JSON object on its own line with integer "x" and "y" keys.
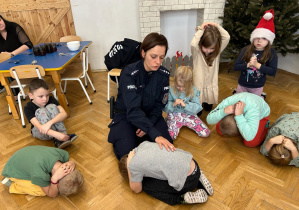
{"x": 168, "y": 176}
{"x": 40, "y": 171}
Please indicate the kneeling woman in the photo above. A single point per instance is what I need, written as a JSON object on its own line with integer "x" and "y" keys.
{"x": 142, "y": 95}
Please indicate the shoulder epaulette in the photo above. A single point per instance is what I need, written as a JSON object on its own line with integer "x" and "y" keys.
{"x": 164, "y": 71}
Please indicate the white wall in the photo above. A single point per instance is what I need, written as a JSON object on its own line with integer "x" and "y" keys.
{"x": 105, "y": 22}
{"x": 179, "y": 28}
{"x": 289, "y": 63}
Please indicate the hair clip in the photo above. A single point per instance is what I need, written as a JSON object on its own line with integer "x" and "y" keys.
{"x": 282, "y": 156}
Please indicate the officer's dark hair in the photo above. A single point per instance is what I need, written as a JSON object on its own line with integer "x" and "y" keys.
{"x": 152, "y": 40}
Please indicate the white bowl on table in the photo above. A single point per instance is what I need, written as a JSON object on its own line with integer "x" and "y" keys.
{"x": 73, "y": 45}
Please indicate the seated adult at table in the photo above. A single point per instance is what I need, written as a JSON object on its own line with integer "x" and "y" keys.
{"x": 13, "y": 39}
{"x": 142, "y": 95}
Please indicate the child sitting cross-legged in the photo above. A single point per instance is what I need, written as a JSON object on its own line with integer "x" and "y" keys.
{"x": 46, "y": 115}
{"x": 184, "y": 104}
{"x": 169, "y": 176}
{"x": 244, "y": 114}
{"x": 41, "y": 171}
{"x": 281, "y": 143}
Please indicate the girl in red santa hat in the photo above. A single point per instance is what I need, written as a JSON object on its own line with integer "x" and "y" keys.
{"x": 258, "y": 59}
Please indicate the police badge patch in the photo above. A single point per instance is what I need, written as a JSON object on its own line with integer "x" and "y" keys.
{"x": 165, "y": 98}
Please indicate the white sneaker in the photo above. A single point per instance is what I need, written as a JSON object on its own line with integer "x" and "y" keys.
{"x": 6, "y": 181}
{"x": 205, "y": 183}
{"x": 200, "y": 196}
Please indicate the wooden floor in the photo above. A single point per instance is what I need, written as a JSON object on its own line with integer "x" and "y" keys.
{"x": 242, "y": 178}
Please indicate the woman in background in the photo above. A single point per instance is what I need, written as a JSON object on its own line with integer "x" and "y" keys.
{"x": 13, "y": 39}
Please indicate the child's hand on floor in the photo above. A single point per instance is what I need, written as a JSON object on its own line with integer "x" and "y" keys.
{"x": 239, "y": 108}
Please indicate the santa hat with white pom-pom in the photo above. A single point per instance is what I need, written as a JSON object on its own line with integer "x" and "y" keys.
{"x": 265, "y": 28}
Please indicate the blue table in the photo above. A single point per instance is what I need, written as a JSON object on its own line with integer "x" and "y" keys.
{"x": 52, "y": 63}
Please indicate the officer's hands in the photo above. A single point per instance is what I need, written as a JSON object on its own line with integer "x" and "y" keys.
{"x": 162, "y": 141}
{"x": 140, "y": 133}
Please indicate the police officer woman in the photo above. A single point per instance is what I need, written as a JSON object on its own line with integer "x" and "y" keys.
{"x": 142, "y": 95}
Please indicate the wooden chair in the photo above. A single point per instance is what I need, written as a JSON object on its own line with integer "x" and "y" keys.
{"x": 116, "y": 73}
{"x": 70, "y": 38}
{"x": 77, "y": 72}
{"x": 4, "y": 56}
{"x": 28, "y": 72}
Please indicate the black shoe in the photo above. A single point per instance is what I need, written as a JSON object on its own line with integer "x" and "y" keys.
{"x": 73, "y": 137}
{"x": 199, "y": 113}
{"x": 207, "y": 107}
{"x": 61, "y": 144}
{"x": 264, "y": 95}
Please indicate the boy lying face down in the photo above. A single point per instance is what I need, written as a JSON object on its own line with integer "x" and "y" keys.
{"x": 40, "y": 171}
{"x": 169, "y": 176}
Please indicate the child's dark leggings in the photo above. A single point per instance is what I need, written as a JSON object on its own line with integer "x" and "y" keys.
{"x": 161, "y": 190}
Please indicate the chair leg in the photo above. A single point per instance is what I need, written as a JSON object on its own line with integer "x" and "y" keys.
{"x": 65, "y": 82}
{"x": 9, "y": 110}
{"x": 94, "y": 90}
{"x": 116, "y": 81}
{"x": 85, "y": 80}
{"x": 85, "y": 91}
{"x": 108, "y": 87}
{"x": 67, "y": 103}
{"x": 54, "y": 94}
{"x": 21, "y": 110}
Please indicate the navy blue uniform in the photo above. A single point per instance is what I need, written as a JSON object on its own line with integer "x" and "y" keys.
{"x": 141, "y": 98}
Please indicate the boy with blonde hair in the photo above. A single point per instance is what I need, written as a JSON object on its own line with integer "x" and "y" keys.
{"x": 41, "y": 171}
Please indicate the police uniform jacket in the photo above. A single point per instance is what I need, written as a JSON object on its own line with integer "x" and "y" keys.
{"x": 142, "y": 96}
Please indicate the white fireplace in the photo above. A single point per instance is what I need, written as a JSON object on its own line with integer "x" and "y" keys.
{"x": 151, "y": 12}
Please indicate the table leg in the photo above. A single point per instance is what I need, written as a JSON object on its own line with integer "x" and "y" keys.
{"x": 10, "y": 97}
{"x": 61, "y": 97}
